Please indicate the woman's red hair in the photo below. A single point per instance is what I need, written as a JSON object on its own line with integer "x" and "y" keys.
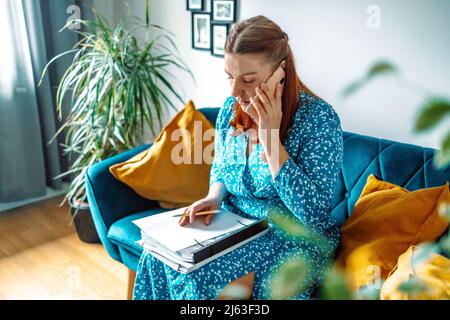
{"x": 260, "y": 35}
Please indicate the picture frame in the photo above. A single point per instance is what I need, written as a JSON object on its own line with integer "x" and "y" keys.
{"x": 201, "y": 30}
{"x": 219, "y": 33}
{"x": 195, "y": 5}
{"x": 223, "y": 11}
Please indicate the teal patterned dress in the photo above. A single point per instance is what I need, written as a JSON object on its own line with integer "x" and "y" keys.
{"x": 303, "y": 189}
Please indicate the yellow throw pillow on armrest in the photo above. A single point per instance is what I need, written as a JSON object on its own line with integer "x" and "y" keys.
{"x": 175, "y": 170}
{"x": 386, "y": 220}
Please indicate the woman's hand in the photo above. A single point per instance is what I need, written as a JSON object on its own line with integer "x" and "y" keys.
{"x": 208, "y": 203}
{"x": 269, "y": 113}
{"x": 267, "y": 106}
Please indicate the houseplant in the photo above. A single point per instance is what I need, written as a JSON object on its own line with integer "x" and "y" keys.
{"x": 117, "y": 84}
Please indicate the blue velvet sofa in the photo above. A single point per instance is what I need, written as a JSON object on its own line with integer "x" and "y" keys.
{"x": 114, "y": 205}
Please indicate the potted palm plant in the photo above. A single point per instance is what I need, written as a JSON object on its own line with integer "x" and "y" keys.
{"x": 117, "y": 85}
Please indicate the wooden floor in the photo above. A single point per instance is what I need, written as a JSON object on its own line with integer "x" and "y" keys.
{"x": 41, "y": 257}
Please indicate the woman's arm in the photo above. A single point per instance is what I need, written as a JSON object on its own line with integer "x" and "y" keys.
{"x": 216, "y": 186}
{"x": 306, "y": 184}
{"x": 217, "y": 191}
{"x": 276, "y": 157}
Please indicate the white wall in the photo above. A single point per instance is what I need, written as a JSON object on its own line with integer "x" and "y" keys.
{"x": 333, "y": 46}
{"x": 107, "y": 9}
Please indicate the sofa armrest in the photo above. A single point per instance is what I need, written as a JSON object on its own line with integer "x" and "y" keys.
{"x": 110, "y": 200}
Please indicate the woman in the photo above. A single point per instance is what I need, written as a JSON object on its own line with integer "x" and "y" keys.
{"x": 275, "y": 149}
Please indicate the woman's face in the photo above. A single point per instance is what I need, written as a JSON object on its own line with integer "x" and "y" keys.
{"x": 246, "y": 72}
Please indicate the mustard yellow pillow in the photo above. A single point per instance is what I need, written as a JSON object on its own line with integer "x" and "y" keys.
{"x": 175, "y": 169}
{"x": 387, "y": 219}
{"x": 433, "y": 275}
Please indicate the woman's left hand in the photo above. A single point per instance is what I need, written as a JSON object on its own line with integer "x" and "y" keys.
{"x": 268, "y": 108}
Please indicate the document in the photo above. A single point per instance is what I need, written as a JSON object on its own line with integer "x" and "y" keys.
{"x": 186, "y": 248}
{"x": 187, "y": 267}
{"x": 164, "y": 228}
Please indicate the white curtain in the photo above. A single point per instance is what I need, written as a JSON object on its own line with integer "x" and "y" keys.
{"x": 22, "y": 167}
{"x": 29, "y": 37}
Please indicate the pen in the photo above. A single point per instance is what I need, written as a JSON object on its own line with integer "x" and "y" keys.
{"x": 200, "y": 213}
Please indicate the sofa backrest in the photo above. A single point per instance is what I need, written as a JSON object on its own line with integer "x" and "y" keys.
{"x": 407, "y": 165}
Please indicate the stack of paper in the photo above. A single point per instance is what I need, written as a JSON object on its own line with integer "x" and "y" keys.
{"x": 186, "y": 248}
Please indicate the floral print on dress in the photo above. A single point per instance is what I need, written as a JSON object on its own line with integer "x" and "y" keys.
{"x": 303, "y": 188}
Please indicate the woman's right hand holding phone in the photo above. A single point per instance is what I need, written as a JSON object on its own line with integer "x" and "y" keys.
{"x": 271, "y": 87}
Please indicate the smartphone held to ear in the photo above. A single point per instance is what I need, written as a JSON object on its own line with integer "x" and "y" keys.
{"x": 277, "y": 77}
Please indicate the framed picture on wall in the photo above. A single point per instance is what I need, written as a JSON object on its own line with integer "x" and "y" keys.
{"x": 201, "y": 30}
{"x": 195, "y": 5}
{"x": 219, "y": 33}
{"x": 223, "y": 11}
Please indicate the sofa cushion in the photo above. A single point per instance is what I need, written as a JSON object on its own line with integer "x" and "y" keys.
{"x": 124, "y": 233}
{"x": 432, "y": 274}
{"x": 173, "y": 170}
{"x": 387, "y": 219}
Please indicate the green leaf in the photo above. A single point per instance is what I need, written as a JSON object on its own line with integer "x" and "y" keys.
{"x": 168, "y": 85}
{"x": 381, "y": 68}
{"x": 444, "y": 243}
{"x": 297, "y": 231}
{"x": 352, "y": 88}
{"x": 442, "y": 157}
{"x": 53, "y": 60}
{"x": 432, "y": 112}
{"x": 367, "y": 293}
{"x": 291, "y": 279}
{"x": 235, "y": 292}
{"x": 377, "y": 69}
{"x": 422, "y": 253}
{"x": 444, "y": 211}
{"x": 334, "y": 286}
{"x": 413, "y": 286}
{"x": 446, "y": 142}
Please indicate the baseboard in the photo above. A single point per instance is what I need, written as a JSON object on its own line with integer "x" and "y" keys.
{"x": 50, "y": 193}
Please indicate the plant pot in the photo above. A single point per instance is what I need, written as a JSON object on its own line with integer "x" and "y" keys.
{"x": 83, "y": 222}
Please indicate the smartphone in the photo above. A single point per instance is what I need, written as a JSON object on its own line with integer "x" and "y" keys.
{"x": 277, "y": 77}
